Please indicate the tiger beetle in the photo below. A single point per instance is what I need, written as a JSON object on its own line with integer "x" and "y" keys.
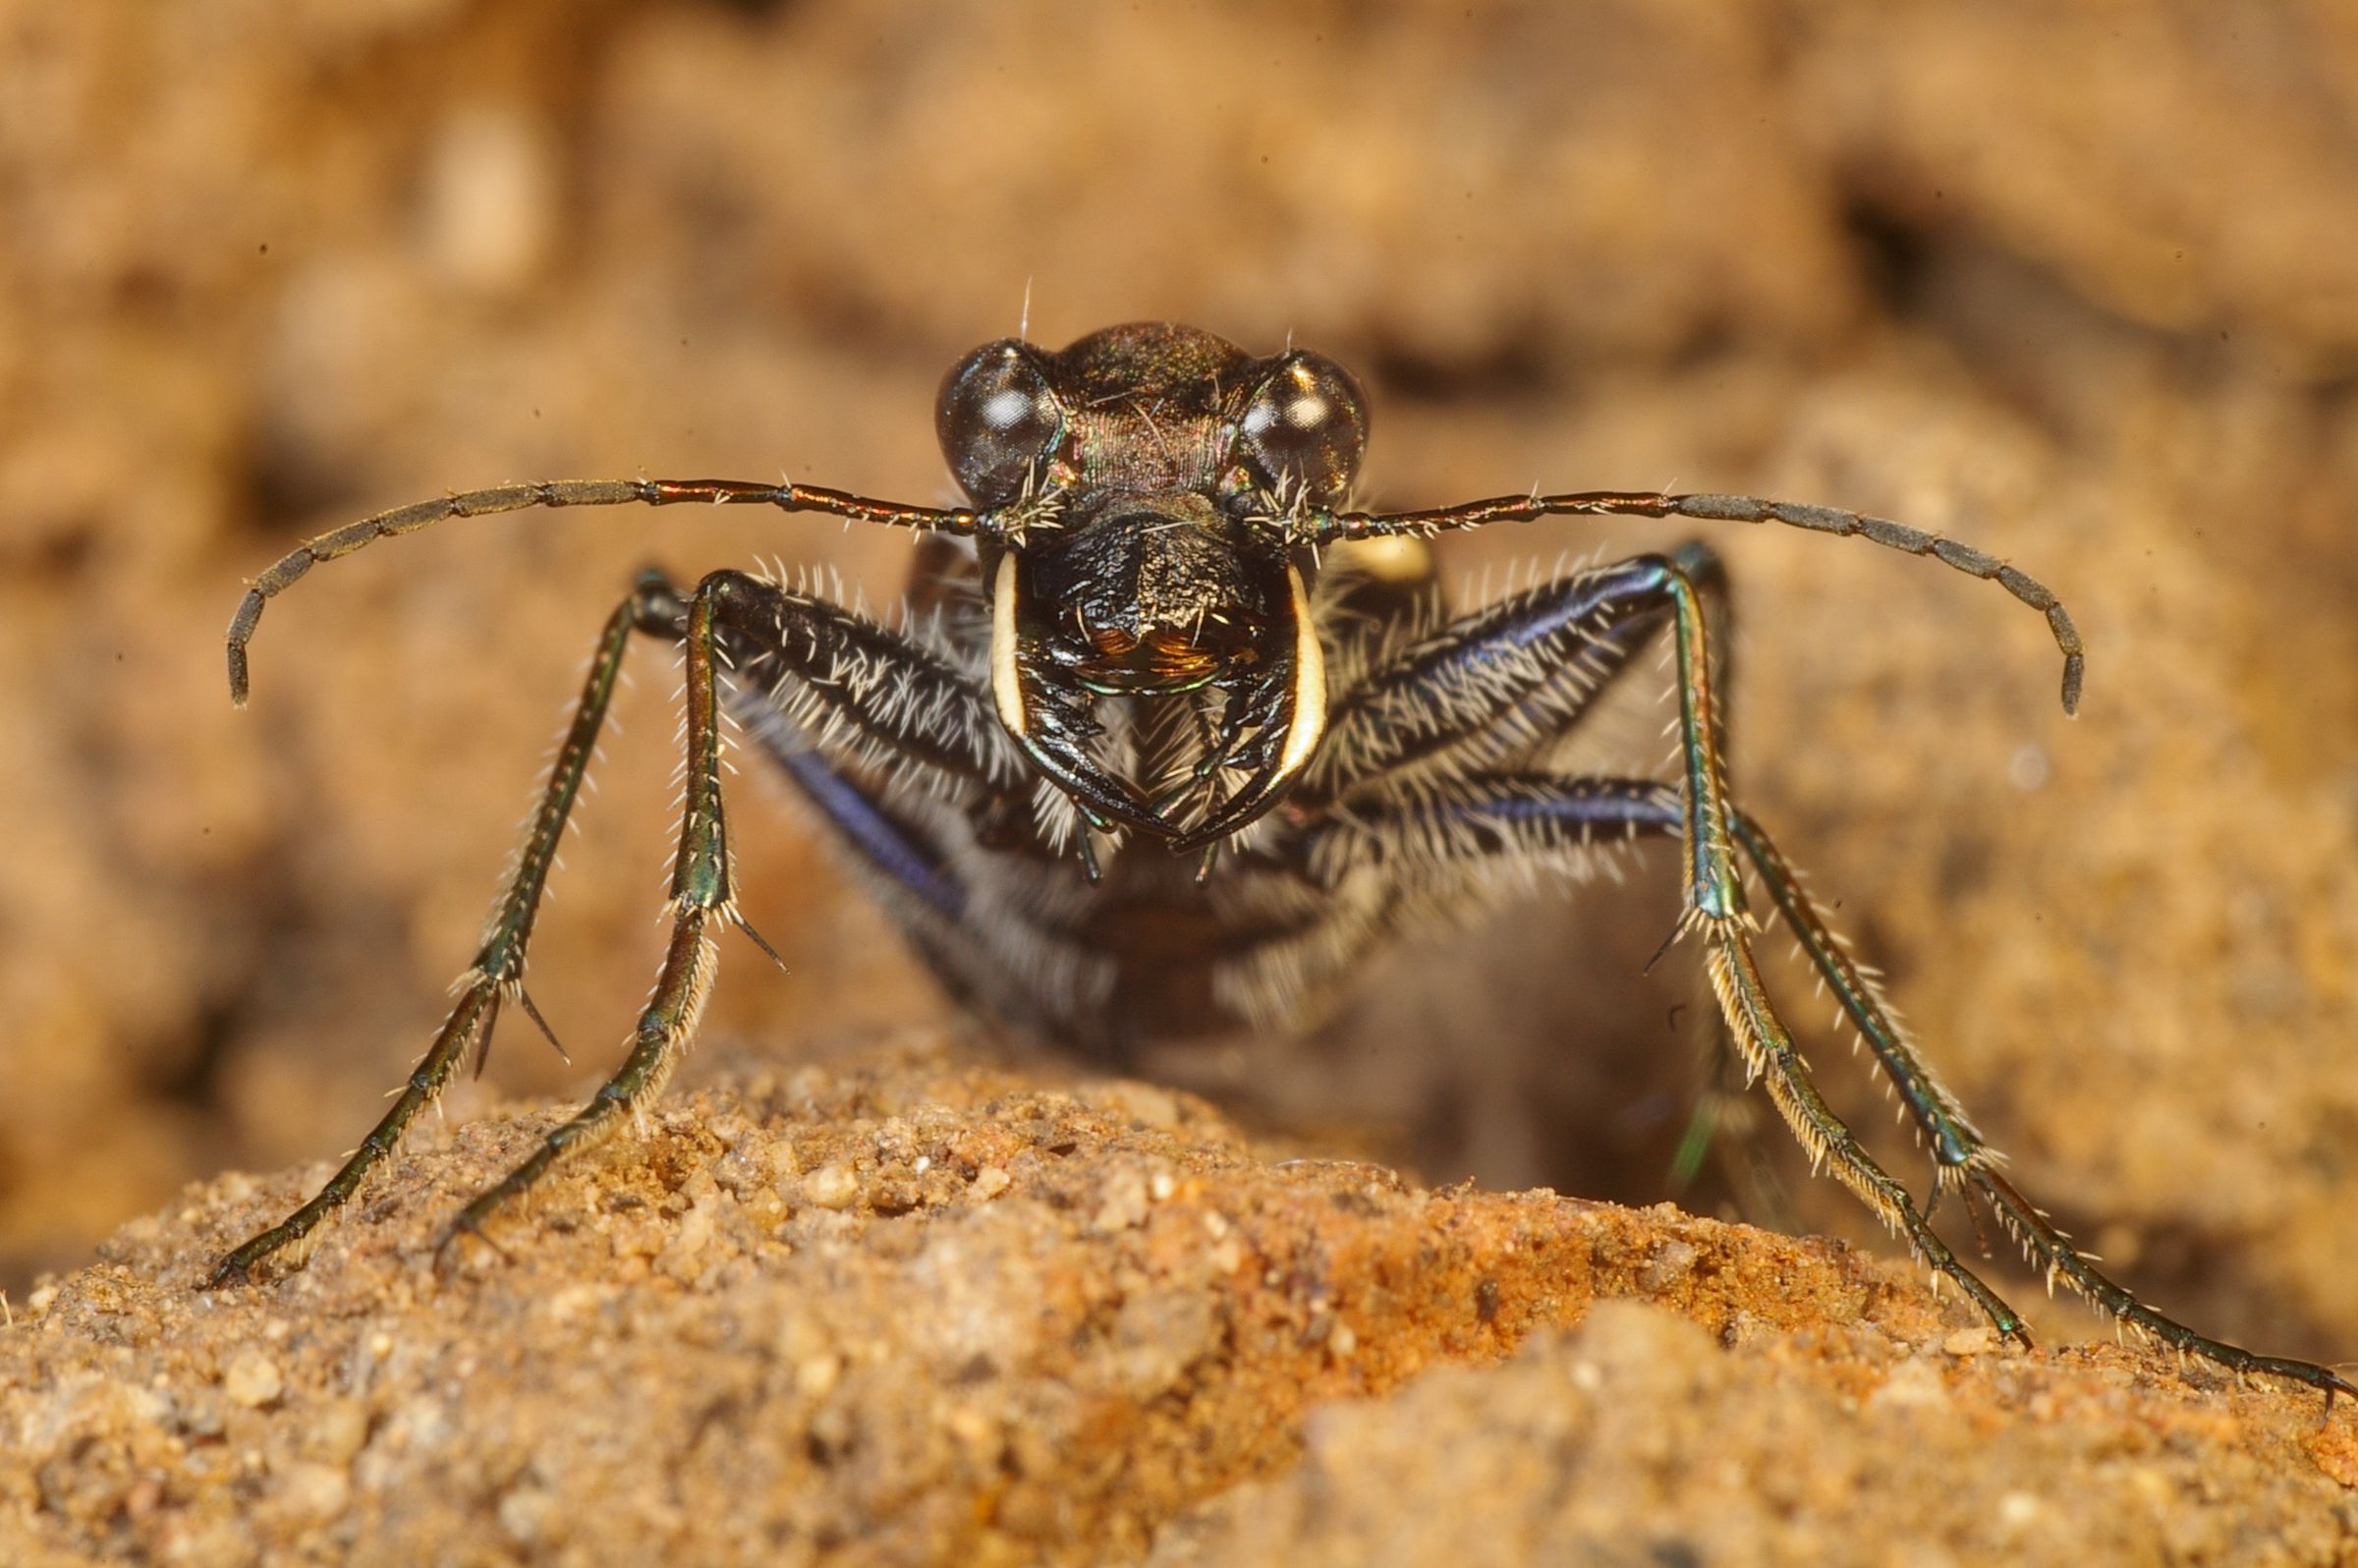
{"x": 1165, "y": 736}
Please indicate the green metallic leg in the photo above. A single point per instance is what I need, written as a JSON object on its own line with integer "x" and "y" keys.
{"x": 1716, "y": 907}
{"x": 497, "y": 972}
{"x": 1960, "y": 1154}
{"x": 703, "y": 903}
{"x": 1726, "y": 1124}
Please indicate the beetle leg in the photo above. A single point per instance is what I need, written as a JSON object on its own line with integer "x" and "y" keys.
{"x": 1724, "y": 1118}
{"x": 841, "y": 691}
{"x": 1715, "y": 905}
{"x": 1516, "y": 677}
{"x": 1768, "y": 1049}
{"x": 1519, "y": 818}
{"x": 1479, "y": 672}
{"x": 1496, "y": 685}
{"x": 1963, "y": 1157}
{"x": 862, "y": 694}
{"x": 1497, "y": 815}
{"x": 497, "y": 972}
{"x": 1514, "y": 819}
{"x": 908, "y": 844}
{"x": 703, "y": 898}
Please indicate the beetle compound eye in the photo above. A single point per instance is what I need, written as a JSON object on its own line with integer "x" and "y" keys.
{"x": 997, "y": 418}
{"x": 1306, "y": 426}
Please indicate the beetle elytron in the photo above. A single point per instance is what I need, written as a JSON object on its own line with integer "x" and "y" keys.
{"x": 1159, "y": 647}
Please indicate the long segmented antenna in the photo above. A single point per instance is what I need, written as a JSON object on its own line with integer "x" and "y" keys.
{"x": 1324, "y": 527}
{"x": 787, "y": 497}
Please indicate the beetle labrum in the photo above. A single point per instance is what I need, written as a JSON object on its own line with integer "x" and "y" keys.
{"x": 1168, "y": 735}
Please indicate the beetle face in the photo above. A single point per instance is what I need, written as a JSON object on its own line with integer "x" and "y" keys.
{"x": 1160, "y": 593}
{"x": 1146, "y": 470}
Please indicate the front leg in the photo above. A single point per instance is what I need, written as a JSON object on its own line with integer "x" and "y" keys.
{"x": 1507, "y": 819}
{"x": 704, "y": 899}
{"x": 1500, "y": 817}
{"x": 1401, "y": 792}
{"x": 861, "y": 690}
{"x": 1487, "y": 689}
{"x": 497, "y": 972}
{"x": 844, "y": 676}
{"x": 1768, "y": 1050}
{"x": 1963, "y": 1157}
{"x": 1716, "y": 906}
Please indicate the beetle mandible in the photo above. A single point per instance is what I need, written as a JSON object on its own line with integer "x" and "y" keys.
{"x": 1160, "y": 647}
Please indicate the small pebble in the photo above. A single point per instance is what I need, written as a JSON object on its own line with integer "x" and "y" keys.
{"x": 831, "y": 1186}
{"x": 1912, "y": 1385}
{"x": 2018, "y": 1510}
{"x": 527, "y": 1513}
{"x": 1144, "y": 1103}
{"x": 253, "y": 1380}
{"x": 340, "y": 1431}
{"x": 1124, "y": 1204}
{"x": 817, "y": 1378}
{"x": 1671, "y": 1262}
{"x": 313, "y": 1492}
{"x": 1157, "y": 1335}
{"x": 1970, "y": 1342}
{"x": 204, "y": 1544}
{"x": 681, "y": 1257}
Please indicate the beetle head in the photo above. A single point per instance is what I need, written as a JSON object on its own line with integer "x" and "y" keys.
{"x": 1144, "y": 475}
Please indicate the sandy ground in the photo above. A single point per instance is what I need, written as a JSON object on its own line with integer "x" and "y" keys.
{"x": 2074, "y": 285}
{"x": 910, "y": 1311}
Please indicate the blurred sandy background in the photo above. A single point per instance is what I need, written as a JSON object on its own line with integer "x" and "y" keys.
{"x": 2072, "y": 281}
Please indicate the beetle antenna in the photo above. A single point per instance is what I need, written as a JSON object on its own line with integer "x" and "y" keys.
{"x": 787, "y": 497}
{"x": 1323, "y": 527}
